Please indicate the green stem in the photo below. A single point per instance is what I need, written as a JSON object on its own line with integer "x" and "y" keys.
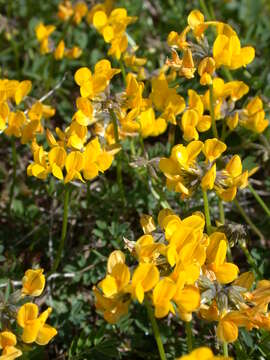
{"x": 248, "y": 220}
{"x": 156, "y": 331}
{"x": 225, "y": 349}
{"x": 250, "y": 259}
{"x": 115, "y": 125}
{"x": 123, "y": 70}
{"x": 227, "y": 73}
{"x": 205, "y": 10}
{"x": 118, "y": 160}
{"x": 259, "y": 199}
{"x": 212, "y": 111}
{"x": 206, "y": 212}
{"x": 14, "y": 173}
{"x": 64, "y": 229}
{"x": 188, "y": 328}
{"x": 223, "y": 131}
{"x": 171, "y": 135}
{"x": 221, "y": 211}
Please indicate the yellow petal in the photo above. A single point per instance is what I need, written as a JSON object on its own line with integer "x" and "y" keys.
{"x": 33, "y": 282}
{"x": 28, "y": 311}
{"x": 7, "y": 338}
{"x": 82, "y": 75}
{"x": 31, "y": 330}
{"x": 45, "y": 334}
{"x": 226, "y": 273}
{"x": 227, "y": 331}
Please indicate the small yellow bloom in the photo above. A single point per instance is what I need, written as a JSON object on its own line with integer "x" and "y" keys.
{"x": 33, "y": 282}
{"x": 202, "y": 353}
{"x": 60, "y": 50}
{"x": 213, "y": 148}
{"x": 74, "y": 164}
{"x": 35, "y": 328}
{"x": 145, "y": 277}
{"x": 7, "y": 338}
{"x": 162, "y": 295}
{"x": 10, "y": 353}
{"x": 227, "y": 51}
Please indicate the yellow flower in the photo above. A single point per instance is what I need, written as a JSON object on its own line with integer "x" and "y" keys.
{"x": 74, "y": 164}
{"x": 185, "y": 66}
{"x": 74, "y": 53}
{"x": 147, "y": 223}
{"x": 4, "y": 113}
{"x": 84, "y": 114}
{"x": 206, "y": 69}
{"x": 202, "y": 353}
{"x": 43, "y": 32}
{"x": 39, "y": 168}
{"x": 59, "y": 51}
{"x": 80, "y": 10}
{"x": 209, "y": 178}
{"x": 57, "y": 157}
{"x": 65, "y": 10}
{"x": 187, "y": 299}
{"x": 232, "y": 179}
{"x": 147, "y": 250}
{"x": 181, "y": 168}
{"x": 35, "y": 328}
{"x": 163, "y": 293}
{"x": 144, "y": 279}
{"x": 253, "y": 117}
{"x": 7, "y": 338}
{"x": 112, "y": 309}
{"x": 33, "y": 282}
{"x": 149, "y": 125}
{"x": 193, "y": 119}
{"x": 166, "y": 99}
{"x": 22, "y": 90}
{"x": 118, "y": 276}
{"x": 16, "y": 120}
{"x": 216, "y": 259}
{"x": 213, "y": 148}
{"x": 10, "y": 353}
{"x": 93, "y": 84}
{"x": 227, "y": 51}
{"x": 95, "y": 160}
{"x": 227, "y": 331}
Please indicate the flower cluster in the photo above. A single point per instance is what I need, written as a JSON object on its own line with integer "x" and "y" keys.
{"x": 185, "y": 174}
{"x": 181, "y": 270}
{"x": 112, "y": 27}
{"x": 73, "y": 151}
{"x": 21, "y": 321}
{"x": 15, "y": 122}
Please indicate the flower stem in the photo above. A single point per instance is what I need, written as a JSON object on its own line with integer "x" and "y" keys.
{"x": 118, "y": 160}
{"x": 14, "y": 173}
{"x": 250, "y": 259}
{"x": 64, "y": 229}
{"x": 188, "y": 328}
{"x": 212, "y": 111}
{"x": 155, "y": 331}
{"x": 248, "y": 220}
{"x": 225, "y": 349}
{"x": 123, "y": 70}
{"x": 171, "y": 135}
{"x": 115, "y": 126}
{"x": 221, "y": 211}
{"x": 259, "y": 199}
{"x": 206, "y": 212}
